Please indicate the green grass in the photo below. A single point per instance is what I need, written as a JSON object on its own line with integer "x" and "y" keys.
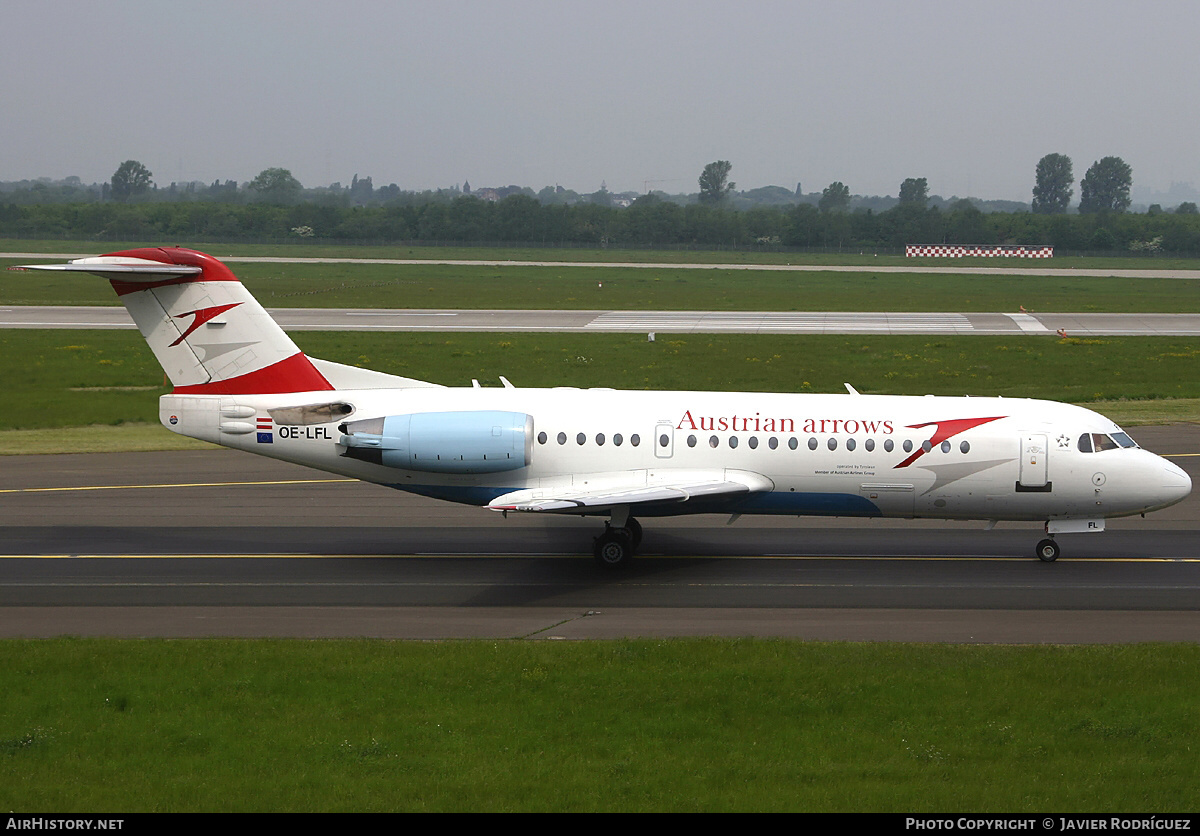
{"x": 681, "y": 725}
{"x": 119, "y": 438}
{"x": 1141, "y": 413}
{"x": 627, "y": 288}
{"x": 108, "y": 379}
{"x": 76, "y": 378}
{"x": 305, "y": 249}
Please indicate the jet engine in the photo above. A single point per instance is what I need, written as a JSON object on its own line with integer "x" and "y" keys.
{"x": 484, "y": 441}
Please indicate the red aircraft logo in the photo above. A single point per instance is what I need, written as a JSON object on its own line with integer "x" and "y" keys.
{"x": 202, "y": 315}
{"x": 945, "y": 430}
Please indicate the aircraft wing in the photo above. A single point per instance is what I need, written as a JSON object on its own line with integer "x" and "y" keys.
{"x": 636, "y": 489}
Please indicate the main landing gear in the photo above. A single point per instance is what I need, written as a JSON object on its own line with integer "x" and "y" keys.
{"x": 616, "y": 547}
{"x": 1047, "y": 550}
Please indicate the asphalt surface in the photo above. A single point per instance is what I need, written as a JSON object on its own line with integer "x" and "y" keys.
{"x": 1012, "y": 266}
{"x": 222, "y": 543}
{"x": 686, "y": 322}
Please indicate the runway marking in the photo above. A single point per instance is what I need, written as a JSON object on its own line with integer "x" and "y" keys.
{"x": 181, "y": 485}
{"x": 1027, "y": 323}
{"x": 794, "y": 322}
{"x": 581, "y": 556}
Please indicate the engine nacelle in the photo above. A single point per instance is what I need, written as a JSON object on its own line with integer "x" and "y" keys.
{"x": 483, "y": 441}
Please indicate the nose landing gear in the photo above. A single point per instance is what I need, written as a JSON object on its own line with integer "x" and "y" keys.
{"x": 1047, "y": 551}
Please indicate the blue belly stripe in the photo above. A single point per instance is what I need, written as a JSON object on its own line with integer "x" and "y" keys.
{"x": 810, "y": 504}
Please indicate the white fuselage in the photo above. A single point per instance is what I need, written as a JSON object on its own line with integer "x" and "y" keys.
{"x": 838, "y": 455}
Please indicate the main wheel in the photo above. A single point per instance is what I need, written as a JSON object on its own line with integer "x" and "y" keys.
{"x": 613, "y": 549}
{"x": 1047, "y": 551}
{"x": 635, "y": 532}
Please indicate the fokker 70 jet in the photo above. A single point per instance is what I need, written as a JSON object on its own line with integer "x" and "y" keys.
{"x": 239, "y": 381}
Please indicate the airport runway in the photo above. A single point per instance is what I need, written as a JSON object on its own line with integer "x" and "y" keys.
{"x": 1012, "y": 266}
{"x": 666, "y": 322}
{"x": 222, "y": 543}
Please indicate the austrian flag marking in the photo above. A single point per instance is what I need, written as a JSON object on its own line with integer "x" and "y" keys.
{"x": 266, "y": 429}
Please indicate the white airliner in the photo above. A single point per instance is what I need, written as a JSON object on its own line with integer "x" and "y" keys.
{"x": 240, "y": 381}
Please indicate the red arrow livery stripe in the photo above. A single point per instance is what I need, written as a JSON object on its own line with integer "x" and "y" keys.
{"x": 202, "y": 315}
{"x": 945, "y": 430}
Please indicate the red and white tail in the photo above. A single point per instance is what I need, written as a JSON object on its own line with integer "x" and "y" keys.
{"x": 209, "y": 334}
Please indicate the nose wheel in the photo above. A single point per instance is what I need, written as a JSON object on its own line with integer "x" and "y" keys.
{"x": 1047, "y": 551}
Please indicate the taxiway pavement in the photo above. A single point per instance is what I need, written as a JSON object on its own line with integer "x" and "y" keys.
{"x": 220, "y": 543}
{"x": 666, "y": 322}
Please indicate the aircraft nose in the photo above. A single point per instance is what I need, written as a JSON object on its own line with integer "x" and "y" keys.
{"x": 1175, "y": 485}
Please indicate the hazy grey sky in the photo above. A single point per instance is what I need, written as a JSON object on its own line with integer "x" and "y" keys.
{"x": 427, "y": 94}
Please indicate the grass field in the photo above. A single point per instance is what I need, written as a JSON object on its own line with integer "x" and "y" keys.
{"x": 61, "y": 379}
{"x": 308, "y": 249}
{"x": 565, "y": 287}
{"x": 685, "y": 725}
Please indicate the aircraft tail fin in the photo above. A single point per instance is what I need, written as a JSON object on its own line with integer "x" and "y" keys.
{"x": 209, "y": 334}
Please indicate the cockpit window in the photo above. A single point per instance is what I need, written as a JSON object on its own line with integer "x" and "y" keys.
{"x": 1098, "y": 442}
{"x": 1123, "y": 439}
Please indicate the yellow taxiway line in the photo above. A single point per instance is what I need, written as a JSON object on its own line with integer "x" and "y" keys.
{"x": 180, "y": 485}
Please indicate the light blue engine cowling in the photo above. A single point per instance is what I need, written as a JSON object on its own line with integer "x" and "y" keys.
{"x": 484, "y": 441}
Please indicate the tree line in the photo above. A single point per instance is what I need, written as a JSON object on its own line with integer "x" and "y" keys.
{"x": 274, "y": 205}
{"x": 649, "y": 222}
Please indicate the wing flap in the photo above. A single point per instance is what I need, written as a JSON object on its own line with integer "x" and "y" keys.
{"x": 663, "y": 489}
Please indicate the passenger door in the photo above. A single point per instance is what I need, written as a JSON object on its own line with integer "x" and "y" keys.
{"x": 1033, "y": 472}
